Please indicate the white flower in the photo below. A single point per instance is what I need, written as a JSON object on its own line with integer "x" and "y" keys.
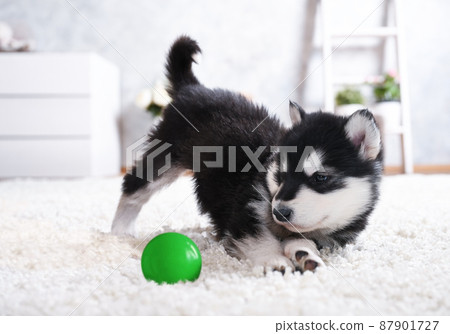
{"x": 160, "y": 96}
{"x": 144, "y": 98}
{"x": 6, "y": 34}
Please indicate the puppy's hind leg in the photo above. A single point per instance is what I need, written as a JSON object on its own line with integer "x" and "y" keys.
{"x": 137, "y": 190}
{"x": 135, "y": 194}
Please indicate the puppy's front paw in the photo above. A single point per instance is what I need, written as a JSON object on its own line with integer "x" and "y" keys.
{"x": 303, "y": 254}
{"x": 305, "y": 261}
{"x": 261, "y": 250}
{"x": 277, "y": 263}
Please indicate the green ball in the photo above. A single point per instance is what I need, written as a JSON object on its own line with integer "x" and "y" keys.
{"x": 171, "y": 257}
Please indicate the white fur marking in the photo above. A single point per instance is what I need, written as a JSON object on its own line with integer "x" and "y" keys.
{"x": 197, "y": 57}
{"x": 329, "y": 211}
{"x": 271, "y": 179}
{"x": 130, "y": 205}
{"x": 294, "y": 114}
{"x": 128, "y": 210}
{"x": 363, "y": 132}
{"x": 264, "y": 250}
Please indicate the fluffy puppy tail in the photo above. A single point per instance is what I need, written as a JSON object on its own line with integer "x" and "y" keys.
{"x": 179, "y": 64}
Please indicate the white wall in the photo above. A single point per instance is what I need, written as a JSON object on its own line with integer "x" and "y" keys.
{"x": 250, "y": 46}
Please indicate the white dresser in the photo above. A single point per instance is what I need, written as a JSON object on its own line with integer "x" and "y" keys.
{"x": 58, "y": 115}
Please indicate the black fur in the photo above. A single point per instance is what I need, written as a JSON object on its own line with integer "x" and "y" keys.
{"x": 226, "y": 119}
{"x": 179, "y": 64}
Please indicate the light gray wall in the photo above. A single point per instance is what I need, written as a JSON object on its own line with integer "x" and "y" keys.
{"x": 249, "y": 46}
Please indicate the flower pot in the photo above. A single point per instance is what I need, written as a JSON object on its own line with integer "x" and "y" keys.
{"x": 348, "y": 109}
{"x": 390, "y": 112}
{"x": 135, "y": 123}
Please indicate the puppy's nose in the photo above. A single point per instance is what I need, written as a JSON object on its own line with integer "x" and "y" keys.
{"x": 282, "y": 213}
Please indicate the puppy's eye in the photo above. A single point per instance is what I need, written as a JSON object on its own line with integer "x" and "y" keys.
{"x": 320, "y": 178}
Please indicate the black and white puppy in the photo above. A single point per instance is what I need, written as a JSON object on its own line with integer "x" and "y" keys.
{"x": 276, "y": 195}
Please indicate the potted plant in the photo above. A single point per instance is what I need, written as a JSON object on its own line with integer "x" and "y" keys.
{"x": 153, "y": 100}
{"x": 387, "y": 95}
{"x": 348, "y": 100}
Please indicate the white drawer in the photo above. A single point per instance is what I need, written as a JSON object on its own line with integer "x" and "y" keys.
{"x": 44, "y": 116}
{"x": 40, "y": 157}
{"x": 29, "y": 73}
{"x": 58, "y": 115}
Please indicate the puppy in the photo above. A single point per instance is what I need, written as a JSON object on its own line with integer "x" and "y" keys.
{"x": 275, "y": 195}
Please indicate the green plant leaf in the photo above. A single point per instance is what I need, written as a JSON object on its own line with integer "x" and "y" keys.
{"x": 387, "y": 90}
{"x": 349, "y": 96}
{"x": 154, "y": 109}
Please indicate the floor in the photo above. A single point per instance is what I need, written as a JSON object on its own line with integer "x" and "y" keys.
{"x": 57, "y": 257}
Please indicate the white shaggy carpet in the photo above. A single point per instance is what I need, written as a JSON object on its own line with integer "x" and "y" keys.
{"x": 55, "y": 253}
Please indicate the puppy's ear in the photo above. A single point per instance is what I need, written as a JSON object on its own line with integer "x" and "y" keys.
{"x": 296, "y": 112}
{"x": 363, "y": 132}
